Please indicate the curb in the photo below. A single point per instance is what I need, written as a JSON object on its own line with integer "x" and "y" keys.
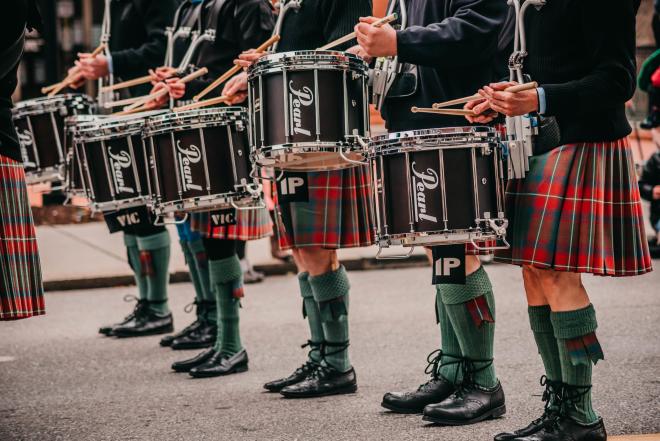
{"x": 275, "y": 269}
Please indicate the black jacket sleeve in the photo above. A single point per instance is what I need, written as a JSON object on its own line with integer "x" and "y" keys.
{"x": 340, "y": 17}
{"x": 609, "y": 33}
{"x": 467, "y": 37}
{"x": 156, "y": 16}
{"x": 650, "y": 177}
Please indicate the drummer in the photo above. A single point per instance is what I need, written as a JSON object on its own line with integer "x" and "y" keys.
{"x": 137, "y": 43}
{"x": 316, "y": 229}
{"x": 239, "y": 25}
{"x": 454, "y": 53}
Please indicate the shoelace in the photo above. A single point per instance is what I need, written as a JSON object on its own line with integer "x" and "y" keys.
{"x": 469, "y": 369}
{"x": 343, "y": 346}
{"x": 320, "y": 372}
{"x": 140, "y": 306}
{"x": 434, "y": 360}
{"x": 568, "y": 397}
{"x": 552, "y": 396}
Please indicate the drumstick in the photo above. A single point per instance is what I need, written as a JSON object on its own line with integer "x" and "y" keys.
{"x": 120, "y": 103}
{"x": 234, "y": 70}
{"x": 57, "y": 87}
{"x": 352, "y": 35}
{"x": 205, "y": 103}
{"x": 454, "y": 112}
{"x": 476, "y": 96}
{"x": 145, "y": 99}
{"x": 129, "y": 112}
{"x": 130, "y": 83}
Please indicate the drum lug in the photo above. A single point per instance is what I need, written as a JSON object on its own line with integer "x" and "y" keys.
{"x": 395, "y": 256}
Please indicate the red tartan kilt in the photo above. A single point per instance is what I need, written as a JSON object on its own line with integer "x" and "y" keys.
{"x": 250, "y": 225}
{"x": 21, "y": 290}
{"x": 337, "y": 215}
{"x": 578, "y": 210}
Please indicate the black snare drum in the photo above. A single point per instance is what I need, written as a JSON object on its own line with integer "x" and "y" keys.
{"x": 199, "y": 160}
{"x": 309, "y": 110}
{"x": 114, "y": 161}
{"x": 42, "y": 135}
{"x": 438, "y": 186}
{"x": 74, "y": 184}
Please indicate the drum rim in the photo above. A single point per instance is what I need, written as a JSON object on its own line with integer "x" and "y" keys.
{"x": 401, "y": 142}
{"x": 32, "y": 105}
{"x": 179, "y": 121}
{"x": 111, "y": 127}
{"x": 313, "y": 60}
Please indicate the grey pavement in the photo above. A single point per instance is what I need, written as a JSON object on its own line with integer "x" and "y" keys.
{"x": 60, "y": 380}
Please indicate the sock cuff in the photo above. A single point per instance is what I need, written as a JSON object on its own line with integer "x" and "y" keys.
{"x": 539, "y": 318}
{"x": 572, "y": 324}
{"x": 476, "y": 285}
{"x": 130, "y": 240}
{"x": 330, "y": 285}
{"x": 225, "y": 270}
{"x": 305, "y": 287}
{"x": 154, "y": 242}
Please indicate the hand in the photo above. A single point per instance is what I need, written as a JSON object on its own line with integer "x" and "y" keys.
{"x": 656, "y": 192}
{"x": 177, "y": 88}
{"x": 236, "y": 99}
{"x": 75, "y": 78}
{"x": 508, "y": 103}
{"x": 248, "y": 58}
{"x": 236, "y": 86}
{"x": 484, "y": 113}
{"x": 161, "y": 74}
{"x": 93, "y": 68}
{"x": 159, "y": 102}
{"x": 376, "y": 41}
{"x": 357, "y": 50}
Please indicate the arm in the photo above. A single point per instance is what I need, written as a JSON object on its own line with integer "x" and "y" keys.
{"x": 466, "y": 38}
{"x": 609, "y": 30}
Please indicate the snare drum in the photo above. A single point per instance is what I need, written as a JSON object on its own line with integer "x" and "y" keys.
{"x": 199, "y": 160}
{"x": 41, "y": 131}
{"x": 309, "y": 110}
{"x": 114, "y": 161}
{"x": 74, "y": 173}
{"x": 438, "y": 186}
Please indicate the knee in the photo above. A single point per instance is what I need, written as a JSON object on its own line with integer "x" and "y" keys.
{"x": 317, "y": 260}
{"x": 552, "y": 282}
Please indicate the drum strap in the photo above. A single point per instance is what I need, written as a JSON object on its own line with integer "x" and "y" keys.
{"x": 10, "y": 57}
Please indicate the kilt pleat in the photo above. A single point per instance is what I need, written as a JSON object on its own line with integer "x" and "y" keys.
{"x": 578, "y": 210}
{"x": 250, "y": 225}
{"x": 337, "y": 215}
{"x": 21, "y": 288}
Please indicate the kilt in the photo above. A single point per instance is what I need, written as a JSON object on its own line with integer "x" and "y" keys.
{"x": 250, "y": 225}
{"x": 578, "y": 210}
{"x": 337, "y": 215}
{"x": 21, "y": 289}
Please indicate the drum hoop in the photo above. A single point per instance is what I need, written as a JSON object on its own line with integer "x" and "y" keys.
{"x": 38, "y": 106}
{"x": 442, "y": 138}
{"x": 107, "y": 127}
{"x": 194, "y": 119}
{"x": 307, "y": 60}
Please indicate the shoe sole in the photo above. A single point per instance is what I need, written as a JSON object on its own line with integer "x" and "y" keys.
{"x": 145, "y": 334}
{"x": 236, "y": 370}
{"x": 197, "y": 346}
{"x": 341, "y": 391}
{"x": 396, "y": 409}
{"x": 491, "y": 414}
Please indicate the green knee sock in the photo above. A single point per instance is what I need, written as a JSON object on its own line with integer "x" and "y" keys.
{"x": 331, "y": 294}
{"x": 156, "y": 250}
{"x": 578, "y": 349}
{"x": 539, "y": 320}
{"x": 449, "y": 368}
{"x": 203, "y": 293}
{"x": 313, "y": 314}
{"x": 133, "y": 254}
{"x": 471, "y": 310}
{"x": 227, "y": 284}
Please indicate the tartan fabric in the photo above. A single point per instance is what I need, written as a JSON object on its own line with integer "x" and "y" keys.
{"x": 479, "y": 311}
{"x": 237, "y": 291}
{"x": 338, "y": 214}
{"x": 250, "y": 225}
{"x": 21, "y": 289}
{"x": 578, "y": 210}
{"x": 584, "y": 349}
{"x": 146, "y": 264}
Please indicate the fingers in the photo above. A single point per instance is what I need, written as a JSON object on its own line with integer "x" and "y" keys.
{"x": 502, "y": 85}
{"x": 368, "y": 20}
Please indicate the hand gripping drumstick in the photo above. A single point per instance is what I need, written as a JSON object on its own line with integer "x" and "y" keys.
{"x": 145, "y": 99}
{"x": 234, "y": 70}
{"x": 352, "y": 35}
{"x": 476, "y": 96}
{"x": 204, "y": 103}
{"x": 455, "y": 112}
{"x": 54, "y": 89}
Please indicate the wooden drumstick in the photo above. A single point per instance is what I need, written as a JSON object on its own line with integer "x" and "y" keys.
{"x": 54, "y": 89}
{"x": 130, "y": 83}
{"x": 234, "y": 70}
{"x": 121, "y": 103}
{"x": 453, "y": 112}
{"x": 352, "y": 35}
{"x": 476, "y": 96}
{"x": 145, "y": 99}
{"x": 204, "y": 103}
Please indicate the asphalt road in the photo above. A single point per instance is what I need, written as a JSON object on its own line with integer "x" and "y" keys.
{"x": 60, "y": 380}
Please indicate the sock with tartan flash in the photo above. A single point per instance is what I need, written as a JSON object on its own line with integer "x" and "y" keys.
{"x": 313, "y": 315}
{"x": 227, "y": 284}
{"x": 133, "y": 253}
{"x": 155, "y": 260}
{"x": 546, "y": 342}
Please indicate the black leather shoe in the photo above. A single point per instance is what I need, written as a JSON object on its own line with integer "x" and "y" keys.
{"x": 567, "y": 429}
{"x": 433, "y": 391}
{"x": 468, "y": 405}
{"x": 197, "y": 360}
{"x": 323, "y": 381}
{"x": 168, "y": 339}
{"x": 298, "y": 375}
{"x": 201, "y": 337}
{"x": 221, "y": 364}
{"x": 148, "y": 323}
{"x": 139, "y": 309}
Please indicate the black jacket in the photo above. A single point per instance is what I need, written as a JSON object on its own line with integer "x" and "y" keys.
{"x": 454, "y": 43}
{"x": 137, "y": 36}
{"x": 649, "y": 179}
{"x": 187, "y": 16}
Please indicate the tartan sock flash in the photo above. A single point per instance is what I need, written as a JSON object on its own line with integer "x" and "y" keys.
{"x": 158, "y": 246}
{"x": 471, "y": 310}
{"x": 331, "y": 294}
{"x": 449, "y": 368}
{"x": 133, "y": 254}
{"x": 202, "y": 287}
{"x": 225, "y": 276}
{"x": 313, "y": 315}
